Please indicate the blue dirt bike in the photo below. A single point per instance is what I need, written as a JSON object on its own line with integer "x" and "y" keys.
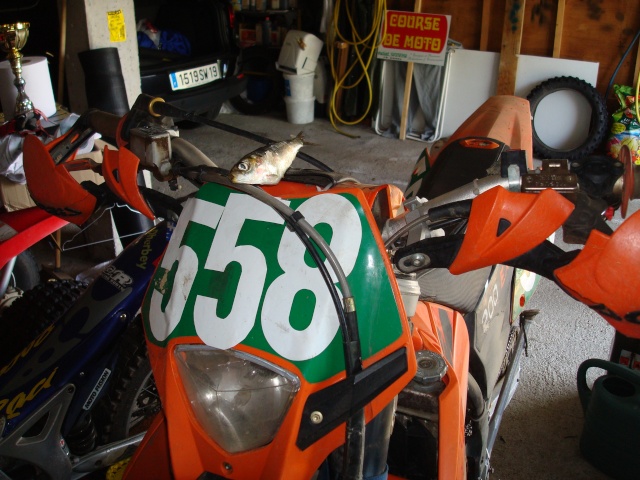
{"x": 75, "y": 382}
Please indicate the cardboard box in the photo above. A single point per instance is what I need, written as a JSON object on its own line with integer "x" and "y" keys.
{"x": 15, "y": 196}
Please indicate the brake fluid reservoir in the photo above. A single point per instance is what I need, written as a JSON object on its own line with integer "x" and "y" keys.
{"x": 410, "y": 291}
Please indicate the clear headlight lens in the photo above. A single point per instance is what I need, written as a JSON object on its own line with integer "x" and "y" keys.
{"x": 238, "y": 399}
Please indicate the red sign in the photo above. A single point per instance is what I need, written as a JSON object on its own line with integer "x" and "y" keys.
{"x": 421, "y": 36}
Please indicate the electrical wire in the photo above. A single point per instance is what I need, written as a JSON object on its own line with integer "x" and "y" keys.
{"x": 637, "y": 91}
{"x": 365, "y": 50}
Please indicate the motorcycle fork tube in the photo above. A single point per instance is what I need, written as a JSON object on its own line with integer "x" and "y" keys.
{"x": 374, "y": 451}
{"x": 376, "y": 443}
{"x": 509, "y": 381}
{"x": 5, "y": 275}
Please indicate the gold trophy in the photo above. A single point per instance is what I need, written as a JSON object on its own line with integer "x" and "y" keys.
{"x": 13, "y": 37}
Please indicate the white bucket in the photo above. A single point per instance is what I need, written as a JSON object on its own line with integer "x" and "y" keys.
{"x": 300, "y": 110}
{"x": 410, "y": 292}
{"x": 299, "y": 86}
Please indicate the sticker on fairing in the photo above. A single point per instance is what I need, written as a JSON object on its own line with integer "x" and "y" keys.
{"x": 420, "y": 170}
{"x": 234, "y": 274}
{"x": 525, "y": 284}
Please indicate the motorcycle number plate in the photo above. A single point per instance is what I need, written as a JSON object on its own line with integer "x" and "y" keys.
{"x": 234, "y": 274}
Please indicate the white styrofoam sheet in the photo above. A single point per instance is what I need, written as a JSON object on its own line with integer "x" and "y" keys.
{"x": 562, "y": 118}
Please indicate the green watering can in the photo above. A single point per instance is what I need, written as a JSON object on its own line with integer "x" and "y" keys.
{"x": 610, "y": 439}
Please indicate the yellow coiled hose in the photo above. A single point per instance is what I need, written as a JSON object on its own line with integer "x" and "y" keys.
{"x": 364, "y": 48}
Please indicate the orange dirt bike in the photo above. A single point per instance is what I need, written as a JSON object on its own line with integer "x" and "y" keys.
{"x": 318, "y": 328}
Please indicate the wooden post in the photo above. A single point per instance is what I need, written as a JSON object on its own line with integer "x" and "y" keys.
{"x": 343, "y": 54}
{"x": 636, "y": 70}
{"x": 62, "y": 51}
{"x": 484, "y": 27}
{"x": 417, "y": 7}
{"x": 557, "y": 41}
{"x": 511, "y": 40}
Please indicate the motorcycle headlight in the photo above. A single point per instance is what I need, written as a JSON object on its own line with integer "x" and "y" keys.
{"x": 238, "y": 399}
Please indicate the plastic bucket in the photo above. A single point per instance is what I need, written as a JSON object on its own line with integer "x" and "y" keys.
{"x": 299, "y": 86}
{"x": 300, "y": 110}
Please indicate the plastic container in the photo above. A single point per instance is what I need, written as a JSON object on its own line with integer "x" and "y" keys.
{"x": 299, "y": 86}
{"x": 610, "y": 437}
{"x": 299, "y": 53}
{"x": 300, "y": 110}
{"x": 266, "y": 32}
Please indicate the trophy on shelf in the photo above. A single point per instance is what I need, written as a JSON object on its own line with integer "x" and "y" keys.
{"x": 13, "y": 37}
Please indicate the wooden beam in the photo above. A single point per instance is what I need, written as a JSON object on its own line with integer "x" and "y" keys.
{"x": 343, "y": 56}
{"x": 557, "y": 40}
{"x": 417, "y": 7}
{"x": 511, "y": 40}
{"x": 636, "y": 70}
{"x": 484, "y": 27}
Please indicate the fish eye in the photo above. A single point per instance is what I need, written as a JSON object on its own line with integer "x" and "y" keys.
{"x": 243, "y": 166}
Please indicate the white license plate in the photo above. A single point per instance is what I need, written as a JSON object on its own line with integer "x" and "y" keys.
{"x": 194, "y": 77}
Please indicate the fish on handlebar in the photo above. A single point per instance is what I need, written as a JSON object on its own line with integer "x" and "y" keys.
{"x": 267, "y": 165}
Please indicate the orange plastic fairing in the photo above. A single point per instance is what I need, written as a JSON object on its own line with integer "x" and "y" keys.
{"x": 120, "y": 172}
{"x": 605, "y": 277}
{"x": 504, "y": 225}
{"x": 502, "y": 117}
{"x": 51, "y": 186}
{"x": 429, "y": 334}
{"x": 194, "y": 452}
{"x": 151, "y": 459}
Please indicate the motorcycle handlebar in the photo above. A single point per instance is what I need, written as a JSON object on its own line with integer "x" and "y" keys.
{"x": 104, "y": 123}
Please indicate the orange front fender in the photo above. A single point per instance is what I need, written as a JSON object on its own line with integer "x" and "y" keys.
{"x": 152, "y": 458}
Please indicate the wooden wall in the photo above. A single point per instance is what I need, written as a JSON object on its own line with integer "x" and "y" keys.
{"x": 592, "y": 30}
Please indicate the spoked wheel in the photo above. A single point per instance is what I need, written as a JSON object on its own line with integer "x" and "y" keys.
{"x": 597, "y": 124}
{"x": 132, "y": 401}
{"x": 24, "y": 276}
{"x": 264, "y": 82}
{"x": 26, "y": 271}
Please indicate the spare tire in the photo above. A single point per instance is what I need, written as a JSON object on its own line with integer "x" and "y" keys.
{"x": 597, "y": 125}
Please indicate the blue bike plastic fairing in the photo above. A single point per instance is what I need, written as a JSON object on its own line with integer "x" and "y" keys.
{"x": 85, "y": 339}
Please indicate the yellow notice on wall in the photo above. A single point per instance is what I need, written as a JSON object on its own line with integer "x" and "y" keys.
{"x": 117, "y": 31}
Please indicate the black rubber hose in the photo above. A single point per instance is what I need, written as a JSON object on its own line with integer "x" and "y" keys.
{"x": 624, "y": 56}
{"x": 166, "y": 109}
{"x": 476, "y": 401}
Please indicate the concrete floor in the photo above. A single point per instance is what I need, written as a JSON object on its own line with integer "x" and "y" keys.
{"x": 541, "y": 428}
